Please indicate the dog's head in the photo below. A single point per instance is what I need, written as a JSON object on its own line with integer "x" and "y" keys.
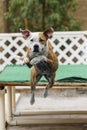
{"x": 37, "y": 42}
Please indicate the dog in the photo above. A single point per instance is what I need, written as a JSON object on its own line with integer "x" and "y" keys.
{"x": 41, "y": 58}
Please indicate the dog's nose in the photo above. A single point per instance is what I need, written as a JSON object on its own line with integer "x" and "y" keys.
{"x": 36, "y": 48}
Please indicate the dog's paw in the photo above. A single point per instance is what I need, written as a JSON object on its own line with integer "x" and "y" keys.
{"x": 37, "y": 60}
{"x": 45, "y": 93}
{"x": 25, "y": 60}
{"x": 32, "y": 100}
{"x": 44, "y": 58}
{"x": 22, "y": 60}
{"x": 33, "y": 61}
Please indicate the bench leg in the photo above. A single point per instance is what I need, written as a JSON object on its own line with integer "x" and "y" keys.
{"x": 9, "y": 104}
{"x": 13, "y": 99}
{"x": 2, "y": 108}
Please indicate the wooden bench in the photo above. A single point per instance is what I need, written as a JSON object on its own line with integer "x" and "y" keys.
{"x": 72, "y": 52}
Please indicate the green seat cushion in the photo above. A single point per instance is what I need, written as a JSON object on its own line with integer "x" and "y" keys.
{"x": 65, "y": 73}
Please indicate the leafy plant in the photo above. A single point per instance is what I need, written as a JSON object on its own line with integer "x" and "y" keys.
{"x": 37, "y": 15}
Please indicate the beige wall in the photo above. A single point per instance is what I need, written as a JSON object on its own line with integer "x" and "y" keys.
{"x": 81, "y": 13}
{"x": 2, "y": 20}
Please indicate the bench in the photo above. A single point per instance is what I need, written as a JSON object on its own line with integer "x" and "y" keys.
{"x": 72, "y": 73}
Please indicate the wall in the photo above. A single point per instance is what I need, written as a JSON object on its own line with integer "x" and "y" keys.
{"x": 2, "y": 20}
{"x": 81, "y": 13}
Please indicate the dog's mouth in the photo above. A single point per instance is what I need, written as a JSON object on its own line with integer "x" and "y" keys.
{"x": 36, "y": 50}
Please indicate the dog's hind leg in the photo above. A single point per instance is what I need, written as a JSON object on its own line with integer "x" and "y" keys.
{"x": 46, "y": 92}
{"x": 50, "y": 84}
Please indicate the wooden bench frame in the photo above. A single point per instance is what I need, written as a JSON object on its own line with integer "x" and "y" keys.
{"x": 76, "y": 116}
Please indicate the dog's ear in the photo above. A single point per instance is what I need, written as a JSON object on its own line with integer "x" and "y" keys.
{"x": 48, "y": 32}
{"x": 26, "y": 33}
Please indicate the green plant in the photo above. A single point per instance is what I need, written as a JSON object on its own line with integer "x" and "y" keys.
{"x": 41, "y": 14}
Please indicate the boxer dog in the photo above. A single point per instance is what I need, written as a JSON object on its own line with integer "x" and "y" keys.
{"x": 41, "y": 57}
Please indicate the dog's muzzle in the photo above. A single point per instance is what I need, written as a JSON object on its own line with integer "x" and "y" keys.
{"x": 36, "y": 48}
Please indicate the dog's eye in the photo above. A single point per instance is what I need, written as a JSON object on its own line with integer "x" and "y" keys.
{"x": 31, "y": 40}
{"x": 41, "y": 40}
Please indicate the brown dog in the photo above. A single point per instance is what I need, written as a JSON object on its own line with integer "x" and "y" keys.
{"x": 41, "y": 57}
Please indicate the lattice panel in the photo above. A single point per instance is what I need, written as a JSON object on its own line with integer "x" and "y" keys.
{"x": 70, "y": 46}
{"x": 11, "y": 46}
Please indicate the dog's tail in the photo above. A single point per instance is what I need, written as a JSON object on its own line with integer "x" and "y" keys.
{"x": 20, "y": 57}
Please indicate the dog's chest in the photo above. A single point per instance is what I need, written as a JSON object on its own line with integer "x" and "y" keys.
{"x": 43, "y": 67}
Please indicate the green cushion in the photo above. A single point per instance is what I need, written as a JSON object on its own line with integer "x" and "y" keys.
{"x": 65, "y": 73}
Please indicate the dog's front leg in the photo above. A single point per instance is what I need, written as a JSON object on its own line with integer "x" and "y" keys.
{"x": 35, "y": 77}
{"x": 32, "y": 100}
{"x": 32, "y": 84}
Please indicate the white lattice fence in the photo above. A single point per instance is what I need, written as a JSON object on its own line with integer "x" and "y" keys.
{"x": 70, "y": 46}
{"x": 11, "y": 45}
